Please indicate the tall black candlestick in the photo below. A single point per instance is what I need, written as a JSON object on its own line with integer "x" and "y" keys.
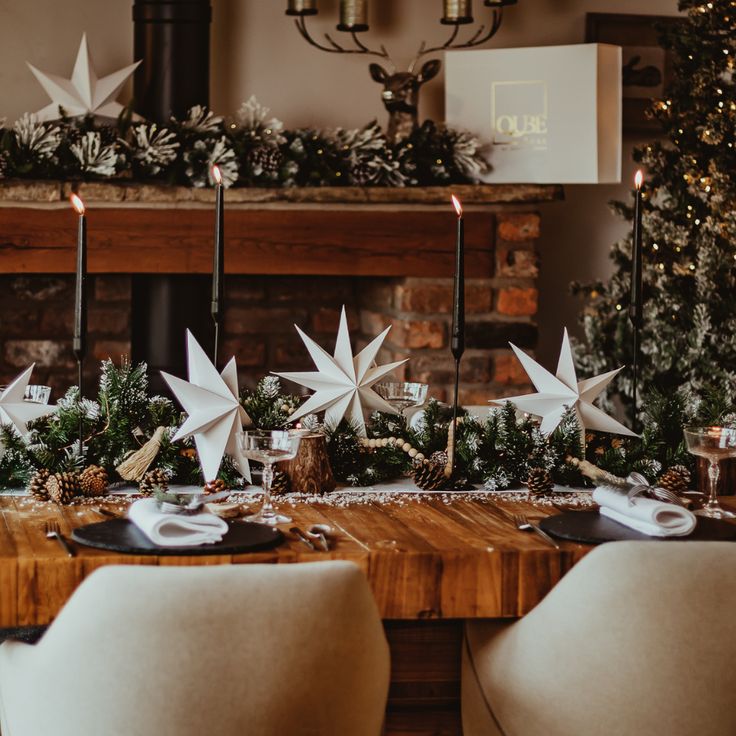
{"x": 79, "y": 340}
{"x": 457, "y": 337}
{"x": 218, "y": 264}
{"x": 636, "y": 306}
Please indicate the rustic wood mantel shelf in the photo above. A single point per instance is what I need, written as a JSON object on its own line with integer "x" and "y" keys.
{"x": 145, "y": 228}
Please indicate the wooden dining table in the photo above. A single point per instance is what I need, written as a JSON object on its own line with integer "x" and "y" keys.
{"x": 432, "y": 563}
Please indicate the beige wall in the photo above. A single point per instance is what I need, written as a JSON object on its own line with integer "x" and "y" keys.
{"x": 256, "y": 51}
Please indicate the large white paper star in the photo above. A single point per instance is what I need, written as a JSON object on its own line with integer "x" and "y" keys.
{"x": 15, "y": 410}
{"x": 216, "y": 417}
{"x": 342, "y": 383}
{"x": 562, "y": 391}
{"x": 84, "y": 93}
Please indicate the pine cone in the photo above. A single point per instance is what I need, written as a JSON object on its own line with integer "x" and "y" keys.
{"x": 362, "y": 173}
{"x": 93, "y": 481}
{"x": 265, "y": 160}
{"x": 281, "y": 482}
{"x": 4, "y": 164}
{"x": 430, "y": 475}
{"x": 155, "y": 478}
{"x": 677, "y": 479}
{"x": 37, "y": 485}
{"x": 63, "y": 487}
{"x": 215, "y": 486}
{"x": 539, "y": 481}
{"x": 439, "y": 458}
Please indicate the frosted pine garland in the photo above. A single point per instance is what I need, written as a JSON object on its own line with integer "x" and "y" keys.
{"x": 154, "y": 148}
{"x": 201, "y": 120}
{"x": 40, "y": 140}
{"x": 93, "y": 156}
{"x": 204, "y": 155}
{"x": 253, "y": 149}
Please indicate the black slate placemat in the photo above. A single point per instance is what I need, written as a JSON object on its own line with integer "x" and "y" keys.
{"x": 121, "y": 535}
{"x": 589, "y": 527}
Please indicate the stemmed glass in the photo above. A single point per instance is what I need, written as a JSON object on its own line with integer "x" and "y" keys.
{"x": 402, "y": 395}
{"x": 269, "y": 447}
{"x": 36, "y": 393}
{"x": 714, "y": 444}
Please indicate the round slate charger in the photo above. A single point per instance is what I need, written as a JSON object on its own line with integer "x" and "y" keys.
{"x": 121, "y": 535}
{"x": 589, "y": 527}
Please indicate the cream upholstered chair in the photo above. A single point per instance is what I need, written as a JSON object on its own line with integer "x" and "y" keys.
{"x": 638, "y": 639}
{"x": 231, "y": 650}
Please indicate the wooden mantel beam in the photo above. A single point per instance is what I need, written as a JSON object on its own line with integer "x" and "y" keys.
{"x": 330, "y": 242}
{"x": 160, "y": 230}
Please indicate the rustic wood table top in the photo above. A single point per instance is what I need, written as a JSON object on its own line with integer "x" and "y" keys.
{"x": 424, "y": 559}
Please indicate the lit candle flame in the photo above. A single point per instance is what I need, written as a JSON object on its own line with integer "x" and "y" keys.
{"x": 77, "y": 204}
{"x": 217, "y": 174}
{"x": 457, "y": 205}
{"x": 638, "y": 179}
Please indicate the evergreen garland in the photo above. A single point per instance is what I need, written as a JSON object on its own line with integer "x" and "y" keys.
{"x": 266, "y": 406}
{"x": 498, "y": 452}
{"x": 253, "y": 149}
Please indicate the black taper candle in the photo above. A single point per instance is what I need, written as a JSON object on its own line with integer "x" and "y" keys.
{"x": 457, "y": 337}
{"x": 79, "y": 339}
{"x": 218, "y": 264}
{"x": 636, "y": 305}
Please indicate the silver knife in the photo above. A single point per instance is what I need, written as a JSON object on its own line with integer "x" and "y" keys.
{"x": 544, "y": 535}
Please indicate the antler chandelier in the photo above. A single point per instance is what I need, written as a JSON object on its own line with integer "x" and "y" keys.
{"x": 400, "y": 88}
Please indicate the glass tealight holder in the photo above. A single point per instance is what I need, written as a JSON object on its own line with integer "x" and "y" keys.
{"x": 402, "y": 395}
{"x": 36, "y": 393}
{"x": 269, "y": 447}
{"x": 714, "y": 444}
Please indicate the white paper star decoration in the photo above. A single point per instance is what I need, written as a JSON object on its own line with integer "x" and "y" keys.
{"x": 342, "y": 384}
{"x": 84, "y": 93}
{"x": 13, "y": 407}
{"x": 562, "y": 391}
{"x": 216, "y": 417}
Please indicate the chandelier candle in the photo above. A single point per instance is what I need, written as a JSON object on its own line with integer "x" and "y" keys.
{"x": 353, "y": 16}
{"x": 636, "y": 306}
{"x": 301, "y": 7}
{"x": 79, "y": 340}
{"x": 456, "y": 12}
{"x": 457, "y": 339}
{"x": 218, "y": 264}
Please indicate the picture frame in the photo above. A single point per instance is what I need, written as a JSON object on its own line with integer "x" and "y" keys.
{"x": 647, "y": 67}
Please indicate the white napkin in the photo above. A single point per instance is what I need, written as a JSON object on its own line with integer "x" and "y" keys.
{"x": 646, "y": 515}
{"x": 176, "y": 530}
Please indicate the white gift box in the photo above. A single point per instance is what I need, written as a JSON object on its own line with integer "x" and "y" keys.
{"x": 552, "y": 115}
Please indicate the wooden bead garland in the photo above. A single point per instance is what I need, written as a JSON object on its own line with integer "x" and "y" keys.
{"x": 400, "y": 444}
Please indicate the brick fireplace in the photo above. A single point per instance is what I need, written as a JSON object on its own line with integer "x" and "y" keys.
{"x": 294, "y": 256}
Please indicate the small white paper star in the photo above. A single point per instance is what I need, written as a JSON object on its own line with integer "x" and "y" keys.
{"x": 562, "y": 391}
{"x": 84, "y": 93}
{"x": 15, "y": 410}
{"x": 216, "y": 417}
{"x": 342, "y": 383}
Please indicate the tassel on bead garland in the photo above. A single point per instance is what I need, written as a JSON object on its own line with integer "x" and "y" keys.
{"x": 134, "y": 467}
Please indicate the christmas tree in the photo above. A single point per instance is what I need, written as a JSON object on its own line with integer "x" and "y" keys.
{"x": 689, "y": 224}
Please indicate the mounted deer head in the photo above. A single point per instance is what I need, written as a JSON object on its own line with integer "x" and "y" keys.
{"x": 401, "y": 96}
{"x": 400, "y": 89}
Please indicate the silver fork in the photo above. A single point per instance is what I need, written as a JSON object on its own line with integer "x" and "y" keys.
{"x": 53, "y": 532}
{"x": 662, "y": 494}
{"x": 525, "y": 525}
